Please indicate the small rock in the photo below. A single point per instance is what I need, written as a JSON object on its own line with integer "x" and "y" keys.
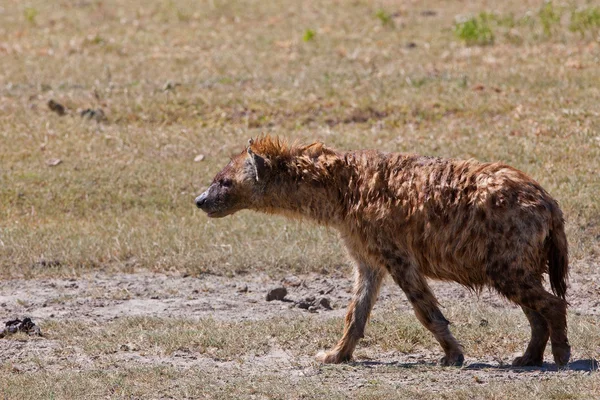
{"x": 56, "y": 107}
{"x": 292, "y": 281}
{"x": 97, "y": 114}
{"x": 10, "y": 329}
{"x": 26, "y": 326}
{"x": 243, "y": 289}
{"x": 312, "y": 309}
{"x": 199, "y": 157}
{"x": 53, "y": 162}
{"x": 303, "y": 304}
{"x": 34, "y": 331}
{"x": 277, "y": 293}
{"x": 170, "y": 85}
{"x": 325, "y": 303}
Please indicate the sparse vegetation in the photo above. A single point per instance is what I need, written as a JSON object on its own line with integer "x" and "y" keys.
{"x": 585, "y": 20}
{"x": 386, "y": 18}
{"x": 549, "y": 16}
{"x": 549, "y": 20}
{"x": 475, "y": 30}
{"x": 30, "y": 14}
{"x": 309, "y": 35}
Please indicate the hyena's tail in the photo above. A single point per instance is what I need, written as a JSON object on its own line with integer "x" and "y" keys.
{"x": 558, "y": 254}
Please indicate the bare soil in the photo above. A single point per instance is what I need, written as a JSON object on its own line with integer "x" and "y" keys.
{"x": 100, "y": 298}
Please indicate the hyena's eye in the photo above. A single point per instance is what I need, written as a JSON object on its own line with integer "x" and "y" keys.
{"x": 225, "y": 182}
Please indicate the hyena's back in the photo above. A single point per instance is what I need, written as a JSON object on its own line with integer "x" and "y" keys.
{"x": 452, "y": 218}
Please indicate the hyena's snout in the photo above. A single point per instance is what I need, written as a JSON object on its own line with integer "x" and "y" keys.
{"x": 201, "y": 201}
{"x": 214, "y": 202}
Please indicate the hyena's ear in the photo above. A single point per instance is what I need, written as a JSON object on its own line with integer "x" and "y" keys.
{"x": 257, "y": 162}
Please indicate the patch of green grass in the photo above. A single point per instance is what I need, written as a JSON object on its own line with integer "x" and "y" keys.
{"x": 30, "y": 15}
{"x": 386, "y": 18}
{"x": 549, "y": 16}
{"x": 475, "y": 30}
{"x": 585, "y": 20}
{"x": 546, "y": 22}
{"x": 308, "y": 35}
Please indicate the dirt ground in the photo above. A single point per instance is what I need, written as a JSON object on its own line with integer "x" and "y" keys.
{"x": 101, "y": 299}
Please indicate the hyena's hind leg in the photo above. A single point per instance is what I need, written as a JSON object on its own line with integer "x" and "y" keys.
{"x": 366, "y": 288}
{"x": 540, "y": 333}
{"x": 513, "y": 281}
{"x": 426, "y": 309}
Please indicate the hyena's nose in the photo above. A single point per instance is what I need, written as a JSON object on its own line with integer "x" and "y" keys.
{"x": 200, "y": 200}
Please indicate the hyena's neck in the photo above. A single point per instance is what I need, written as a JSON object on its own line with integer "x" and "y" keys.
{"x": 312, "y": 188}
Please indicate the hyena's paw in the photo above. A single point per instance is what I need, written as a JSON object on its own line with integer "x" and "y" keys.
{"x": 332, "y": 357}
{"x": 452, "y": 360}
{"x": 527, "y": 360}
{"x": 561, "y": 353}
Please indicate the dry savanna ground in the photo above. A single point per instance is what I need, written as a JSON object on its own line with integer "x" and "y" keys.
{"x": 139, "y": 295}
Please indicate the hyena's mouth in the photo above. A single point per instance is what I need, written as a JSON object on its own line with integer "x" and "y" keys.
{"x": 213, "y": 210}
{"x": 220, "y": 212}
{"x": 212, "y": 214}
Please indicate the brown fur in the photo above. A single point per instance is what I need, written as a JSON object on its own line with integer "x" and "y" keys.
{"x": 415, "y": 217}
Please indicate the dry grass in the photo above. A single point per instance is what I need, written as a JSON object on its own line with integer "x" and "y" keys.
{"x": 177, "y": 79}
{"x": 141, "y": 383}
{"x": 138, "y": 383}
{"x": 503, "y": 334}
{"x": 216, "y": 359}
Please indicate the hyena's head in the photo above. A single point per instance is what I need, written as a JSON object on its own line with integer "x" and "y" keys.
{"x": 240, "y": 185}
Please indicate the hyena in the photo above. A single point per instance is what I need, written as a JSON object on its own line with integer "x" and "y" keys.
{"x": 415, "y": 217}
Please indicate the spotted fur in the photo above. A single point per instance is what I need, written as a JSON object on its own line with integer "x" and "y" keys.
{"x": 415, "y": 217}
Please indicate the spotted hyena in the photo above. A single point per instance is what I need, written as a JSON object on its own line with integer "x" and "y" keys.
{"x": 415, "y": 217}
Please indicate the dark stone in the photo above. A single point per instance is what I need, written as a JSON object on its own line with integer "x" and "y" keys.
{"x": 26, "y": 325}
{"x": 277, "y": 293}
{"x": 325, "y": 303}
{"x": 57, "y": 107}
{"x": 303, "y": 304}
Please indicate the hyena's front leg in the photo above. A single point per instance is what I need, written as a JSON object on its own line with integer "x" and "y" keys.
{"x": 366, "y": 288}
